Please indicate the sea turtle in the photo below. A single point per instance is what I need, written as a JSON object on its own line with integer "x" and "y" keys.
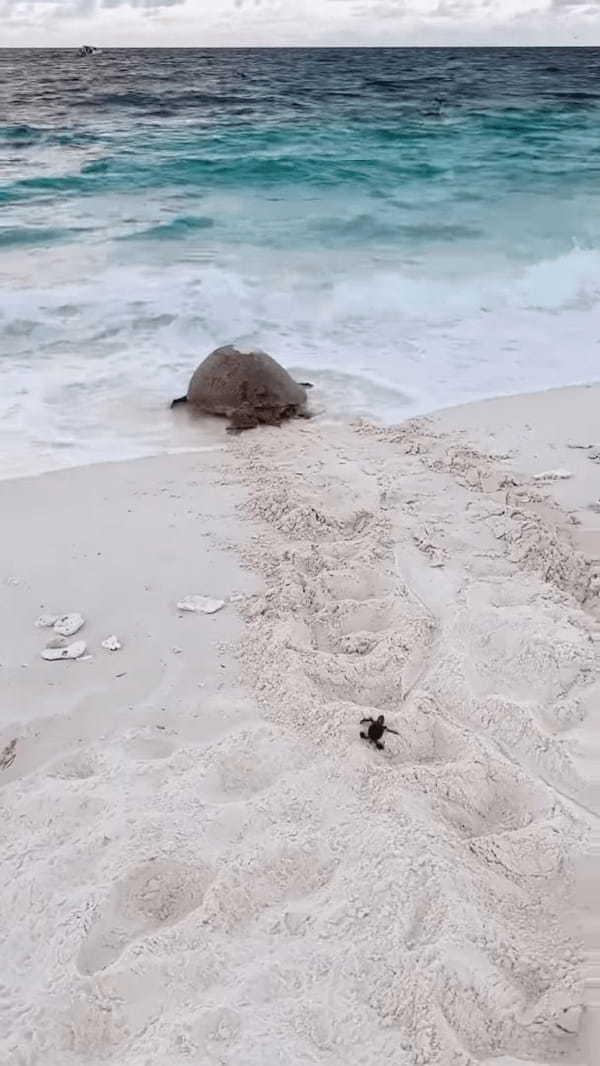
{"x": 377, "y": 728}
{"x": 247, "y": 387}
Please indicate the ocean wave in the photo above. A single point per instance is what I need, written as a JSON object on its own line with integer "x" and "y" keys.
{"x": 371, "y": 227}
{"x": 178, "y": 101}
{"x": 97, "y": 166}
{"x": 331, "y": 300}
{"x": 124, "y": 99}
{"x": 44, "y": 184}
{"x": 310, "y": 305}
{"x": 377, "y": 342}
{"x": 176, "y": 229}
{"x": 23, "y": 134}
{"x": 17, "y": 236}
{"x": 570, "y": 281}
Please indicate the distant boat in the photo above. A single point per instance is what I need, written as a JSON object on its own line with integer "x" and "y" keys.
{"x": 87, "y": 50}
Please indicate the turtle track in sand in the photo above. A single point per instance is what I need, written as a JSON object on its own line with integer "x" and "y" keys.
{"x": 371, "y": 610}
{"x": 225, "y": 886}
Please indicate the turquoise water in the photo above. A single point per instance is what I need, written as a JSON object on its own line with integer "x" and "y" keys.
{"x": 412, "y": 228}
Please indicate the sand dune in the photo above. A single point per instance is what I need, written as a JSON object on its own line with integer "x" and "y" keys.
{"x": 201, "y": 861}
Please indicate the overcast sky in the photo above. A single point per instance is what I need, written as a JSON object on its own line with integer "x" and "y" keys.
{"x": 298, "y": 22}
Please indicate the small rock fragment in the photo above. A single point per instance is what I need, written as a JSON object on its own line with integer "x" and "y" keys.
{"x": 8, "y": 755}
{"x": 553, "y": 475}
{"x": 112, "y": 643}
{"x": 45, "y": 621}
{"x": 71, "y": 651}
{"x": 200, "y": 604}
{"x": 68, "y": 624}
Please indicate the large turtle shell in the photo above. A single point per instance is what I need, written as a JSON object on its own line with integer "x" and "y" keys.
{"x": 228, "y": 379}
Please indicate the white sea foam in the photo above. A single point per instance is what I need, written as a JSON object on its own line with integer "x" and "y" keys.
{"x": 93, "y": 351}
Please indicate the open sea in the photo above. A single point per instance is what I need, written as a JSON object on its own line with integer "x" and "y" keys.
{"x": 408, "y": 228}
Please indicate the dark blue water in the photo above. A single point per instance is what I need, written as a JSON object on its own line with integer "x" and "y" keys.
{"x": 419, "y": 226}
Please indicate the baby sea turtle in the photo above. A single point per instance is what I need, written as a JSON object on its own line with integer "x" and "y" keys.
{"x": 246, "y": 387}
{"x": 377, "y": 728}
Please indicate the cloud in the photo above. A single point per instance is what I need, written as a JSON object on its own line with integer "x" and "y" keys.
{"x": 34, "y": 12}
{"x": 209, "y": 23}
{"x": 143, "y": 5}
{"x": 459, "y": 9}
{"x": 60, "y": 8}
{"x": 72, "y": 9}
{"x": 452, "y": 9}
{"x": 578, "y": 7}
{"x": 455, "y": 14}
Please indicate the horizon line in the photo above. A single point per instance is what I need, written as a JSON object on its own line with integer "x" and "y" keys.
{"x": 288, "y": 47}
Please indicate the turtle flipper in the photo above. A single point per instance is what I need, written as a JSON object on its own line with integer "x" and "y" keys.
{"x": 180, "y": 399}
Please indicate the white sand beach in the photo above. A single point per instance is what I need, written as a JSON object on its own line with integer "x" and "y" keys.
{"x": 201, "y": 861}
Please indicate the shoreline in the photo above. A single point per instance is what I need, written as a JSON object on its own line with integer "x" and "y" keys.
{"x": 197, "y": 427}
{"x": 201, "y": 856}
